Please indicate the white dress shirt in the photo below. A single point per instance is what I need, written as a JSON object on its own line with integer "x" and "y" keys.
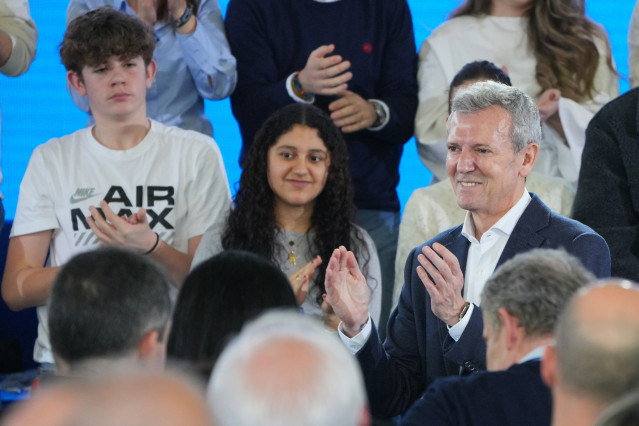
{"x": 483, "y": 256}
{"x": 482, "y": 259}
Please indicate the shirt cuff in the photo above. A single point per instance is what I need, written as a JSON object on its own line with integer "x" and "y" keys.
{"x": 358, "y": 341}
{"x": 386, "y": 114}
{"x": 289, "y": 89}
{"x": 458, "y": 329}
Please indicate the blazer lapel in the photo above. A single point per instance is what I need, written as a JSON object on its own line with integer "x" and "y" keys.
{"x": 525, "y": 235}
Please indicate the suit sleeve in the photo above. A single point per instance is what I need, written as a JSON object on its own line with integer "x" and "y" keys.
{"x": 436, "y": 405}
{"x": 469, "y": 352}
{"x": 393, "y": 372}
{"x": 604, "y": 182}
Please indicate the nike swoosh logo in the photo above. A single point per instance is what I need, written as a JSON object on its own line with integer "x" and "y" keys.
{"x": 75, "y": 199}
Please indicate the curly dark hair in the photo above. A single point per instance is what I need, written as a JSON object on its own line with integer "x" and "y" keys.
{"x": 252, "y": 224}
{"x": 92, "y": 38}
{"x": 563, "y": 41}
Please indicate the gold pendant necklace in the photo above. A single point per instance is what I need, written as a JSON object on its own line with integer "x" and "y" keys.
{"x": 291, "y": 256}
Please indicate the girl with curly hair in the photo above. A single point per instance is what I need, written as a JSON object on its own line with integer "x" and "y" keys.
{"x": 550, "y": 49}
{"x": 295, "y": 206}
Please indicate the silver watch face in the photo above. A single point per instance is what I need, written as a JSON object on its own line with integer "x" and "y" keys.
{"x": 379, "y": 111}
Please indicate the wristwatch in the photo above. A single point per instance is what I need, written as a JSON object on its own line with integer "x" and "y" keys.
{"x": 464, "y": 310}
{"x": 380, "y": 112}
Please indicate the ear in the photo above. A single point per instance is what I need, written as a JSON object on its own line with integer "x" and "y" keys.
{"x": 365, "y": 417}
{"x": 549, "y": 366}
{"x": 530, "y": 153}
{"x": 147, "y": 346}
{"x": 61, "y": 366}
{"x": 151, "y": 70}
{"x": 76, "y": 82}
{"x": 511, "y": 326}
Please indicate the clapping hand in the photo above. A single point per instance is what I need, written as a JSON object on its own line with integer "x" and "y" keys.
{"x": 346, "y": 291}
{"x": 133, "y": 232}
{"x": 441, "y": 274}
{"x": 300, "y": 279}
{"x": 325, "y": 75}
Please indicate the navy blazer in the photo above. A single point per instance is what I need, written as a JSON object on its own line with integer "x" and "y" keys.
{"x": 419, "y": 349}
{"x": 516, "y": 396}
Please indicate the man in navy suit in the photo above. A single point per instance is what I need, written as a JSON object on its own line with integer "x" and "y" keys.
{"x": 436, "y": 329}
{"x": 521, "y": 304}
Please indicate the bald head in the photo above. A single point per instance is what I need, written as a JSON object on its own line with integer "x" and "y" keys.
{"x": 131, "y": 400}
{"x": 598, "y": 341}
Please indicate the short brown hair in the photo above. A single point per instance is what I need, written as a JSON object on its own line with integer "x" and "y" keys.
{"x": 92, "y": 38}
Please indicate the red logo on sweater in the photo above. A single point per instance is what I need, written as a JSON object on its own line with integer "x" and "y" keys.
{"x": 367, "y": 47}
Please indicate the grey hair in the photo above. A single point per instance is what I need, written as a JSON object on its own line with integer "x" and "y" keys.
{"x": 535, "y": 287}
{"x": 622, "y": 412}
{"x": 599, "y": 360}
{"x": 526, "y": 128}
{"x": 325, "y": 388}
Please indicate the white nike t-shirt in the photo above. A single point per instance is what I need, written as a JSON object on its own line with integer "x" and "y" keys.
{"x": 178, "y": 176}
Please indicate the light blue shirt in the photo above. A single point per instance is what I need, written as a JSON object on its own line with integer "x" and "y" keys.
{"x": 191, "y": 67}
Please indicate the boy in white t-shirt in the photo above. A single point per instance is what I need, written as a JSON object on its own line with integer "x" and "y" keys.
{"x": 127, "y": 181}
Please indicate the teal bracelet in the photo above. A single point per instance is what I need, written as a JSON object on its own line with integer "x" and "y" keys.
{"x": 186, "y": 17}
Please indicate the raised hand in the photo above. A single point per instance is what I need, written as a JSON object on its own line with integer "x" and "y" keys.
{"x": 351, "y": 112}
{"x": 147, "y": 12}
{"x": 445, "y": 282}
{"x": 325, "y": 75}
{"x": 133, "y": 232}
{"x": 176, "y": 10}
{"x": 346, "y": 290}
{"x": 301, "y": 279}
{"x": 548, "y": 104}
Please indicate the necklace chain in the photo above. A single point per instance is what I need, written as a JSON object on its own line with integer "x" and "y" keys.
{"x": 291, "y": 255}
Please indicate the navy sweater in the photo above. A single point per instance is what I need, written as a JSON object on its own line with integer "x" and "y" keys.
{"x": 271, "y": 39}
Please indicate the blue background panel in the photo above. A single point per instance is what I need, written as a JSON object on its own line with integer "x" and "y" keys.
{"x": 36, "y": 106}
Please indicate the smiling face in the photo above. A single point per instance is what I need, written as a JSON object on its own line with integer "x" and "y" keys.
{"x": 298, "y": 166}
{"x": 116, "y": 89}
{"x": 487, "y": 175}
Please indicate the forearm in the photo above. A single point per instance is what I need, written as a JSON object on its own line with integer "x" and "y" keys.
{"x": 26, "y": 281}
{"x": 28, "y": 287}
{"x": 207, "y": 53}
{"x": 6, "y": 47}
{"x": 15, "y": 58}
{"x": 175, "y": 262}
